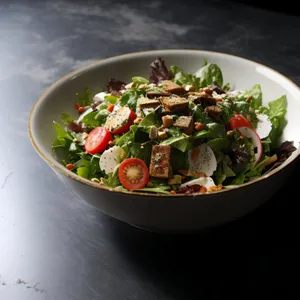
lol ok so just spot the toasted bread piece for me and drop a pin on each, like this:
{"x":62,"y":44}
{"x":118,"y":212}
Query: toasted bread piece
{"x":185,"y":123}
{"x":160,"y":161}
{"x":148,"y":103}
{"x":175,"y":104}
{"x":214,"y":112}
{"x":202,"y":98}
{"x":156,"y":94}
{"x":173,"y":88}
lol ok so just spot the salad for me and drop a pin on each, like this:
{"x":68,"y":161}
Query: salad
{"x":174,"y":133}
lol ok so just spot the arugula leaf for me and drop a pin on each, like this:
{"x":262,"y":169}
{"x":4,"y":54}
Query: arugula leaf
{"x":179,"y":160}
{"x":199,"y":115}
{"x":256,"y":96}
{"x":276,"y":112}
{"x":182,"y":78}
{"x":101,"y":116}
{"x":216,"y":130}
{"x":174,"y":131}
{"x":65,"y":118}
{"x":112,"y":179}
{"x":83,"y":172}
{"x":181,"y":143}
{"x":140,"y":80}
{"x":209,"y":74}
{"x":160,"y":190}
{"x":218,"y":144}
{"x":151,"y":119}
{"x":142,"y":151}
{"x":90,"y":119}
{"x":226,"y":87}
{"x":63,"y":138}
{"x":130,"y":98}
{"x":239,"y":179}
{"x":111,"y":99}
{"x":86,"y":98}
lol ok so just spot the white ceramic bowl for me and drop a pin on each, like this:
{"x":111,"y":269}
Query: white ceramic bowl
{"x":164,"y":212}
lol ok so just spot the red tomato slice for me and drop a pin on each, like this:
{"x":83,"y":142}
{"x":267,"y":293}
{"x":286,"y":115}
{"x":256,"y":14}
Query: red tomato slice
{"x":126,"y":126}
{"x":97,"y":140}
{"x":238,"y":121}
{"x":133,"y":173}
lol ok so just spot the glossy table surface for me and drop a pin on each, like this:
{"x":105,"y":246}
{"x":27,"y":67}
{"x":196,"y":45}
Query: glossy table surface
{"x":55,"y":246}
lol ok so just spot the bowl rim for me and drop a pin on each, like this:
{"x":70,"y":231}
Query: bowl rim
{"x":54,"y":164}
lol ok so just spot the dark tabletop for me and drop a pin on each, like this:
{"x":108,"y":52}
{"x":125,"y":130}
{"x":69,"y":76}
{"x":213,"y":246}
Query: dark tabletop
{"x":55,"y":246}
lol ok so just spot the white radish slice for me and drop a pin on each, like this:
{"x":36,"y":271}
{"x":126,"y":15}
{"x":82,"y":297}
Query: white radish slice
{"x":251,"y":133}
{"x":109,"y":159}
{"x":202,"y":181}
{"x":89,"y":110}
{"x":264,"y":126}
{"x":202,"y":159}
{"x":100,"y":97}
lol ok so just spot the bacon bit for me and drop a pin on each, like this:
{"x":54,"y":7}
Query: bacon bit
{"x":110,"y":107}
{"x":111,"y":143}
{"x":77,"y":105}
{"x":81,"y":109}
{"x":218,"y":99}
{"x":149,"y":184}
{"x":70,"y":166}
{"x":172,"y":192}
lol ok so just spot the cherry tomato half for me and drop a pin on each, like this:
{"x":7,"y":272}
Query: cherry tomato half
{"x":238,"y":121}
{"x":133,"y":173}
{"x":97,"y":140}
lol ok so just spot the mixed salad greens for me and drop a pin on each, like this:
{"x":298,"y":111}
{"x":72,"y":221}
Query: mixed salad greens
{"x":174,"y":133}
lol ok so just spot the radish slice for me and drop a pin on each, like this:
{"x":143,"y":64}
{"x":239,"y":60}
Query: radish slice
{"x":89,"y":110}
{"x":202,"y":181}
{"x":202,"y":159}
{"x":109,"y":159}
{"x":264,"y":126}
{"x":251,"y":133}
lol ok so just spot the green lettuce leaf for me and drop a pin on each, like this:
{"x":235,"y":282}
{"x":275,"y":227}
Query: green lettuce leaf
{"x":86,"y":98}
{"x":130,"y":98}
{"x":182,"y":78}
{"x":209,"y":74}
{"x":276,"y":111}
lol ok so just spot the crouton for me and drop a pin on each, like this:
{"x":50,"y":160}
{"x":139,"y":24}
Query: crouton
{"x":156,"y":94}
{"x":173,"y":88}
{"x":214,"y":112}
{"x":148,"y":103}
{"x":175,"y":104}
{"x":167,"y":121}
{"x":160,"y":161}
{"x":186,"y":124}
{"x":202,"y":98}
